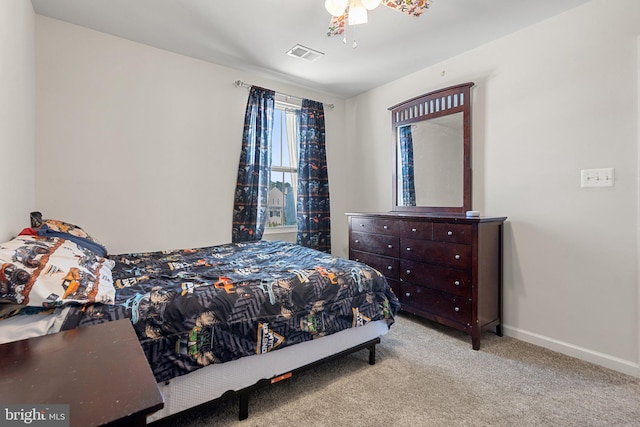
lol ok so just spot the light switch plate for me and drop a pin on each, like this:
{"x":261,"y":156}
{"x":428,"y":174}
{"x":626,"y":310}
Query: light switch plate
{"x":602,"y":177}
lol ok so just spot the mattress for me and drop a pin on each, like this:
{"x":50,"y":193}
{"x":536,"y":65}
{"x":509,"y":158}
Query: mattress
{"x":196,"y":307}
{"x":31,"y":323}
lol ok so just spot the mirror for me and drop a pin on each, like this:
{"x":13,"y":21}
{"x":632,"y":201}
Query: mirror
{"x":440,"y":156}
{"x":432,"y":150}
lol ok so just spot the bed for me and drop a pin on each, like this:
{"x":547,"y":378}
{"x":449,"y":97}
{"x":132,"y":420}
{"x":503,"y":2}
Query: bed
{"x":213,"y":322}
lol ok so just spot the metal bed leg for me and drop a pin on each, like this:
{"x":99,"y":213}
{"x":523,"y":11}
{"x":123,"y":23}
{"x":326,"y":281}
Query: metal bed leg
{"x":243,"y":395}
{"x":372,"y":355}
{"x":243,"y":412}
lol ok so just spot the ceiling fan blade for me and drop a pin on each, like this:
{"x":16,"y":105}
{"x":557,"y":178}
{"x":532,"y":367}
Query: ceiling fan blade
{"x":337,"y":23}
{"x":408,"y":7}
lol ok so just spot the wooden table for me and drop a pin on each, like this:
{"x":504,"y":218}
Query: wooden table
{"x":100,"y":371}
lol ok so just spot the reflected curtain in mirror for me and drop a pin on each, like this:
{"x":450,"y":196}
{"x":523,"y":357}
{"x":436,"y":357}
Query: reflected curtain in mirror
{"x":252,"y":187}
{"x":407,"y":183}
{"x":314,"y":219}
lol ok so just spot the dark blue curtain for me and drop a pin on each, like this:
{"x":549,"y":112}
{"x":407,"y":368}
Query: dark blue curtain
{"x":252,"y":188}
{"x":314,"y":219}
{"x":408,"y":196}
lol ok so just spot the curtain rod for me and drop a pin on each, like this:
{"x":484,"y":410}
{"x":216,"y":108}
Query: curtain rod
{"x":240,"y":83}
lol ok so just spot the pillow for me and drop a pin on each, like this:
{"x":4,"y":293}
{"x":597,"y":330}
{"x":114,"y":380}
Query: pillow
{"x":57,"y":228}
{"x":49,"y":271}
{"x":80,"y":241}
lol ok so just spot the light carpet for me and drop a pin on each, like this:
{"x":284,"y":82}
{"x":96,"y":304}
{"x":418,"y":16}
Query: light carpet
{"x":428,"y":375}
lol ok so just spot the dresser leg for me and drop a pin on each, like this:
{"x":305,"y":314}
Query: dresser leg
{"x":499,"y":330}
{"x":475,"y":340}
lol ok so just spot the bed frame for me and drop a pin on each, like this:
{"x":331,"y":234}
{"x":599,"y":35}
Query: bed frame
{"x":243,"y":394}
{"x":215,"y":383}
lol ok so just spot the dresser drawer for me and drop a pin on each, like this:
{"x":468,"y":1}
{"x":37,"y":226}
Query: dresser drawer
{"x":416,"y":229}
{"x":448,"y":254}
{"x":439,"y":304}
{"x":451,"y":280}
{"x":374,"y":225}
{"x":374,"y":243}
{"x":385,"y":265}
{"x":453,"y":233}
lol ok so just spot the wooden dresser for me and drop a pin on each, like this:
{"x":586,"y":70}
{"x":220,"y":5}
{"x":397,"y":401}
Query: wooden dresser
{"x":443,"y":267}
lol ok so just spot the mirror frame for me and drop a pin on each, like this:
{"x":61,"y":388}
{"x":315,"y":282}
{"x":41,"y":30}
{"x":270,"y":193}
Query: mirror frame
{"x":442,"y":102}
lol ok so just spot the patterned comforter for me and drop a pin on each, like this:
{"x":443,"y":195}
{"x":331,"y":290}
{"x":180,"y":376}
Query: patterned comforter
{"x":191,"y":308}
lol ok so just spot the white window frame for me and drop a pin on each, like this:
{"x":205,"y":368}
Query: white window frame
{"x":293,"y":159}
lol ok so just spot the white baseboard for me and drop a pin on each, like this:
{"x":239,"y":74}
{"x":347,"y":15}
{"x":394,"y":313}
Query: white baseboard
{"x":605,"y":360}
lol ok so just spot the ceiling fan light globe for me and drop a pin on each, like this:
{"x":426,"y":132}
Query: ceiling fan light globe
{"x":357,"y":15}
{"x":371,"y":4}
{"x":335,"y":7}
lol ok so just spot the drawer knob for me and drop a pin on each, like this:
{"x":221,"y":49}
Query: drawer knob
{"x":457,"y":256}
{"x":408,"y":271}
{"x":357,"y":241}
{"x":361,"y":225}
{"x":389,"y":246}
{"x":389,"y":267}
{"x":457,"y":283}
{"x":456,"y":308}
{"x":449,"y":233}
{"x":408,"y":249}
{"x":407,"y":294}
{"x":414,"y":230}
{"x":357,"y":259}
{"x":385,"y":227}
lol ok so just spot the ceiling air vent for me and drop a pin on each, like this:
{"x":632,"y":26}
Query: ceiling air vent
{"x":305,"y":53}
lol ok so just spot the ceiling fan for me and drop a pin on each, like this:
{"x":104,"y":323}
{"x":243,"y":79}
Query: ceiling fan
{"x":354,"y":12}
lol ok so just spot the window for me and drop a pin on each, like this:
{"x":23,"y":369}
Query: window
{"x":284,"y":168}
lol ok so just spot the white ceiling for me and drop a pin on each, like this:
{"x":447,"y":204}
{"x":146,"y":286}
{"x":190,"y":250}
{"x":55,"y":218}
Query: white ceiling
{"x":254,"y":35}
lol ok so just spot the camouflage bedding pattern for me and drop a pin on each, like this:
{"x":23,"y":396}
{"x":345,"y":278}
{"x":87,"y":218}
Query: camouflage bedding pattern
{"x":191,"y":308}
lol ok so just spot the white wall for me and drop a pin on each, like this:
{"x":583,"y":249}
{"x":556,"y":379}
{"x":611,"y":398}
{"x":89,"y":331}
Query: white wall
{"x":549,"y":100}
{"x":141,"y":146}
{"x":17,"y":115}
